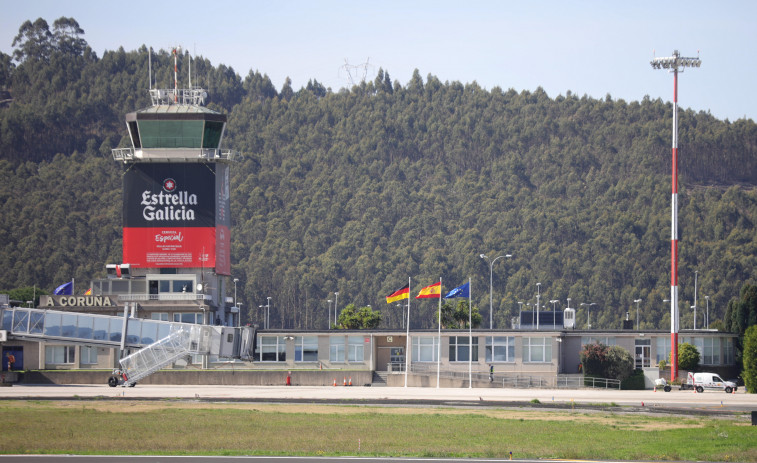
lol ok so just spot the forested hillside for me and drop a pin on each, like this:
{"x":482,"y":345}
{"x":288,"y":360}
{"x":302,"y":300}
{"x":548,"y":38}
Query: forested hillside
{"x":355,"y":190}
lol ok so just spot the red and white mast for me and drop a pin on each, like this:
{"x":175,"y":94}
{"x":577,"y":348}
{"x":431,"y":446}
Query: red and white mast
{"x":674,"y":64}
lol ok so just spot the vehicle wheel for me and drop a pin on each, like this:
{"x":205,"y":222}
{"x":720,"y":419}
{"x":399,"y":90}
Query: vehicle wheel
{"x":700,"y":389}
{"x":728,"y":389}
{"x":667,"y":388}
{"x":112,"y":381}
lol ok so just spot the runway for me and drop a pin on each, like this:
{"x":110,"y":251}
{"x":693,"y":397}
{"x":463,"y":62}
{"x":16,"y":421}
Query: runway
{"x":562,"y":398}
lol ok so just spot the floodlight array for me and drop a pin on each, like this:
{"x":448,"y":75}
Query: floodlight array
{"x":675,"y":62}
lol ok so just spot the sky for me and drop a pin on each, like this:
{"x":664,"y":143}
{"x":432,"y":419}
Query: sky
{"x":592,"y":48}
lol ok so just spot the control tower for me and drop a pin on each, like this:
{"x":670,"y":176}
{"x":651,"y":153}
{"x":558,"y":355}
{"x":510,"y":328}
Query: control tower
{"x":176,"y":223}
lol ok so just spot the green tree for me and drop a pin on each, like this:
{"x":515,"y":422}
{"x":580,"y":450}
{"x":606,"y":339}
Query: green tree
{"x":688,"y":357}
{"x":34,"y":41}
{"x":461,"y":315}
{"x":750,"y":359}
{"x":353,"y":318}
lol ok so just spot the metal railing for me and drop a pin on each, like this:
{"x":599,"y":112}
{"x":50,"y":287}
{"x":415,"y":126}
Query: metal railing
{"x":205,"y":154}
{"x":521,"y":381}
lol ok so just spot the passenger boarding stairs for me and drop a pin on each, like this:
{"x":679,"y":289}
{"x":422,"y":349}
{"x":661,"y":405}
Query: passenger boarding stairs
{"x":158,"y":355}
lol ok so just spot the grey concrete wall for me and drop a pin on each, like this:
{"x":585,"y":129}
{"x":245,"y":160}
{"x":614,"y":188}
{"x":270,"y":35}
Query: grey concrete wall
{"x":207,"y":377}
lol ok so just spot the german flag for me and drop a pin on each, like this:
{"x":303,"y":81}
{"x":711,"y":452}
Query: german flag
{"x":402,"y":293}
{"x":434,"y":290}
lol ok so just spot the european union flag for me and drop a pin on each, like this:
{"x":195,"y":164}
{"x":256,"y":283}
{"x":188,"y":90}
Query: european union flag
{"x":460,"y":291}
{"x":66,"y":289}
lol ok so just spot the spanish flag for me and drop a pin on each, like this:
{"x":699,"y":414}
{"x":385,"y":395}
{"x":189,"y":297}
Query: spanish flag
{"x":434,"y":290}
{"x":88,"y":292}
{"x":402,"y":293}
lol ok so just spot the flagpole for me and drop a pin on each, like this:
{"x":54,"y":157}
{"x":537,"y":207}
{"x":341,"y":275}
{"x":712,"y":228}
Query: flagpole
{"x":439,"y":347}
{"x":470,"y":338}
{"x":407,"y":334}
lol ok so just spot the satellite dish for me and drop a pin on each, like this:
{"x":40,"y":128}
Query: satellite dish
{"x":199,"y":287}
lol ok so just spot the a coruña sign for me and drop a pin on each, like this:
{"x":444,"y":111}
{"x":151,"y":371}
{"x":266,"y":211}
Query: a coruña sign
{"x":77,"y":301}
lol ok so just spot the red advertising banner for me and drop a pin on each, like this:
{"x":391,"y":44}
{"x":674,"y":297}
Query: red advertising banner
{"x":169,"y":247}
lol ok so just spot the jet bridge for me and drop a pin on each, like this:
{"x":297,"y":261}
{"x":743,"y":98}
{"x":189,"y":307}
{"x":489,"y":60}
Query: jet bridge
{"x":157,"y":343}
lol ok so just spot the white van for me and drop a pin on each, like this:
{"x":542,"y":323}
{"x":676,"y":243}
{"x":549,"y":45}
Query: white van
{"x":702,"y":381}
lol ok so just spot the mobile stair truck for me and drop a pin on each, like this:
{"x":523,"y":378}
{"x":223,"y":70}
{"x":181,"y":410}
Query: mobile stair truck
{"x":699,"y":382}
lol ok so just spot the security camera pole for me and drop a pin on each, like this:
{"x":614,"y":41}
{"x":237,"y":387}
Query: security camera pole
{"x":674,"y":64}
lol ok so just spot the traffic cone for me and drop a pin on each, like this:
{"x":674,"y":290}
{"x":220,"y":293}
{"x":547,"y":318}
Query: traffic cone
{"x":350,"y":383}
{"x":345,"y":381}
{"x":334,"y":381}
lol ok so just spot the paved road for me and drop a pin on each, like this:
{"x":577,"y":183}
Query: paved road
{"x":709,"y":400}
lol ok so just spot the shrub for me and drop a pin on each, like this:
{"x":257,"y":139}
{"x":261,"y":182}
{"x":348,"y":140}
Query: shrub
{"x":749,"y":359}
{"x":634,"y":382}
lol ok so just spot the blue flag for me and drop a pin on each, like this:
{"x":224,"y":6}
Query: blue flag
{"x":66,"y":289}
{"x":460,"y":291}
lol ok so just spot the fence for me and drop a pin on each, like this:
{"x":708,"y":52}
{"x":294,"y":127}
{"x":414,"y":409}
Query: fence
{"x":521,"y":381}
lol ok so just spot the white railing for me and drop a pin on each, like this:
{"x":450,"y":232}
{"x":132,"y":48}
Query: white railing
{"x":521,"y":381}
{"x":164,"y":297}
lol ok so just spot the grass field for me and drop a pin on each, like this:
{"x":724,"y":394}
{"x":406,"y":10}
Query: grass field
{"x":195,"y":428}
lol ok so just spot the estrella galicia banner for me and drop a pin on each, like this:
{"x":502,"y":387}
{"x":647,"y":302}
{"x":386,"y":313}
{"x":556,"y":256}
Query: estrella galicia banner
{"x":169,"y":213}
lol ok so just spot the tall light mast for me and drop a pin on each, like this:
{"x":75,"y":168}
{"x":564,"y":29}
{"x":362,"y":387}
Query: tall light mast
{"x":674,"y":64}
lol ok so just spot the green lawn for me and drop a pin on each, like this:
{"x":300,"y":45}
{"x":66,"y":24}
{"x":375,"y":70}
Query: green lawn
{"x":181,"y":427}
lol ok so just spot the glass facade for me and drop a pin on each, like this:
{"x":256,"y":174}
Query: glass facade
{"x":460,"y":348}
{"x":500,"y":349}
{"x":179,"y":134}
{"x":537,"y":350}
{"x":337,"y":349}
{"x":306,"y":349}
{"x":425,"y":348}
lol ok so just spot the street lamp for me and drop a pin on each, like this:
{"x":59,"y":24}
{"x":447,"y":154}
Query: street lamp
{"x":707,"y":315}
{"x":336,"y":301}
{"x":538,"y":294}
{"x":329,"y":317}
{"x":553,"y":301}
{"x":674,"y":64}
{"x":235,"y":300}
{"x":696,"y":272}
{"x":491,"y":276}
{"x":588,"y":313}
{"x":268,"y":313}
{"x":637,"y":313}
{"x":520,"y":312}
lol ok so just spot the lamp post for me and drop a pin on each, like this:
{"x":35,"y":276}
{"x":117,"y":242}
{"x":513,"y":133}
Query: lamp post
{"x":696,"y":272}
{"x":328,"y":319}
{"x":491,"y":276}
{"x":637,"y":313}
{"x":554,"y":301}
{"x":336,"y":301}
{"x":520,"y":312}
{"x":538,"y":294}
{"x":588,"y":313}
{"x":707,"y":314}
{"x":239,"y":314}
{"x":268,"y":313}
{"x":674,"y":64}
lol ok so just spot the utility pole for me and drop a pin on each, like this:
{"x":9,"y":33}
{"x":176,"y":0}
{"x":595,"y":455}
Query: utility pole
{"x":674,"y":64}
